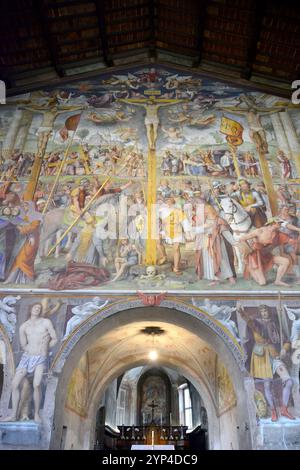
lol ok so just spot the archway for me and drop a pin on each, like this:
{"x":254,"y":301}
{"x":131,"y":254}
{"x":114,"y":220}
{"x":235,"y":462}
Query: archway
{"x":154,"y":398}
{"x":117,"y":334}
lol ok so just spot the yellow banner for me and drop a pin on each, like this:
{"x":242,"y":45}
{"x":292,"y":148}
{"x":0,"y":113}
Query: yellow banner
{"x":233,"y":131}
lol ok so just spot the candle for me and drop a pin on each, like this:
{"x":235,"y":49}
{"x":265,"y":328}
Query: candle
{"x":143,"y":418}
{"x":170,"y":419}
{"x":152,"y":438}
{"x":161,"y":419}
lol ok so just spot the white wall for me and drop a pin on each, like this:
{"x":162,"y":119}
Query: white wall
{"x":228,"y":430}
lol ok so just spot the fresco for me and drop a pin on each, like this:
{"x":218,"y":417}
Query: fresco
{"x":225,"y":390}
{"x":269,"y":333}
{"x":35,"y":329}
{"x":155,"y":168}
{"x":154,"y":393}
{"x":77,"y":394}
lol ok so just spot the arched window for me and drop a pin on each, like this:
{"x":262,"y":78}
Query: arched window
{"x":185,"y":406}
{"x":123,"y":405}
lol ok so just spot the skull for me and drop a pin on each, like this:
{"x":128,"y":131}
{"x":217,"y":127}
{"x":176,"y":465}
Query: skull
{"x":151,"y":272}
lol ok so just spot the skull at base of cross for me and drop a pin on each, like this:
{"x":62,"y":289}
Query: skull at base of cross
{"x":151,"y":274}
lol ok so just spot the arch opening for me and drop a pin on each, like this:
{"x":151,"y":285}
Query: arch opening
{"x":116,"y":344}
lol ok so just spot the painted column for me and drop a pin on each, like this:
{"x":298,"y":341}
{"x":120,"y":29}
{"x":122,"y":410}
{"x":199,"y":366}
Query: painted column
{"x":292,"y":138}
{"x":23,"y":131}
{"x":280,"y":134}
{"x":9,"y":141}
{"x":151,"y":201}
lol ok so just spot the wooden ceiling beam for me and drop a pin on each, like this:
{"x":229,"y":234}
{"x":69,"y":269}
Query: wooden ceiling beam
{"x":127,"y":8}
{"x":100,"y":11}
{"x":202,"y":12}
{"x":260,"y":9}
{"x":42,"y":18}
{"x":152,"y":41}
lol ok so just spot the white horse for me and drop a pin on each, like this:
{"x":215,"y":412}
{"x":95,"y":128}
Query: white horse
{"x":240,"y":223}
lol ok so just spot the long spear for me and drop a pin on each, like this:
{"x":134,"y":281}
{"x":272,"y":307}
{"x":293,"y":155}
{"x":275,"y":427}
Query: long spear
{"x":59,"y":173}
{"x":82,"y":213}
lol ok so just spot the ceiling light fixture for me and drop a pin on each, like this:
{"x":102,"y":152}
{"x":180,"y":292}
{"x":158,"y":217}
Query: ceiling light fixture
{"x":153,"y":355}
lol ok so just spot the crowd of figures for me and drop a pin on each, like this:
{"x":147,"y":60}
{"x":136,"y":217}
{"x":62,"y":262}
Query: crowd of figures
{"x":96,"y":160}
{"x":148,"y":130}
{"x":19,"y":165}
{"x":226,"y":224}
{"x":220,"y":163}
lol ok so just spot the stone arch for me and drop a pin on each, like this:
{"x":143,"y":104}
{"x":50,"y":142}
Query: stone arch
{"x":173,"y":312}
{"x":198,"y":384}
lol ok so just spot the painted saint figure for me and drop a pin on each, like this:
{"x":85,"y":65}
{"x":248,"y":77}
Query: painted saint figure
{"x":214,"y":258}
{"x":37,"y":336}
{"x":267,"y":358}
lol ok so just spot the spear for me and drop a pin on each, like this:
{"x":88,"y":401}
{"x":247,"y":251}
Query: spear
{"x":84,"y":210}
{"x":58,"y":173}
{"x":57,"y":177}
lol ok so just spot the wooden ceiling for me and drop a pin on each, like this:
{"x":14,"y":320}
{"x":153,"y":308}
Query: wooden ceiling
{"x":49,"y":39}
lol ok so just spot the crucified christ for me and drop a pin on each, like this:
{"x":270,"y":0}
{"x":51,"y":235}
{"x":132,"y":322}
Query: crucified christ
{"x":151,"y":106}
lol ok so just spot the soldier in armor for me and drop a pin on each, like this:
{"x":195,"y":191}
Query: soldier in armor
{"x":251,"y":201}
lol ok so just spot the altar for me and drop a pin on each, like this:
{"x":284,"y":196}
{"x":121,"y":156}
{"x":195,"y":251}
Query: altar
{"x":153,"y":437}
{"x":158,"y":447}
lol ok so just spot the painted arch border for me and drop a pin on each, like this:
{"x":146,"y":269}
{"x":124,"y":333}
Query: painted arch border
{"x":128,"y":304}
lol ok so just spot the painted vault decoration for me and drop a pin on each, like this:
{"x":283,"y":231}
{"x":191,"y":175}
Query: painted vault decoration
{"x":149,"y":177}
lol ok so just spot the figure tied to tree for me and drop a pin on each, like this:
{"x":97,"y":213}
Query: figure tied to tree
{"x":37,"y":336}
